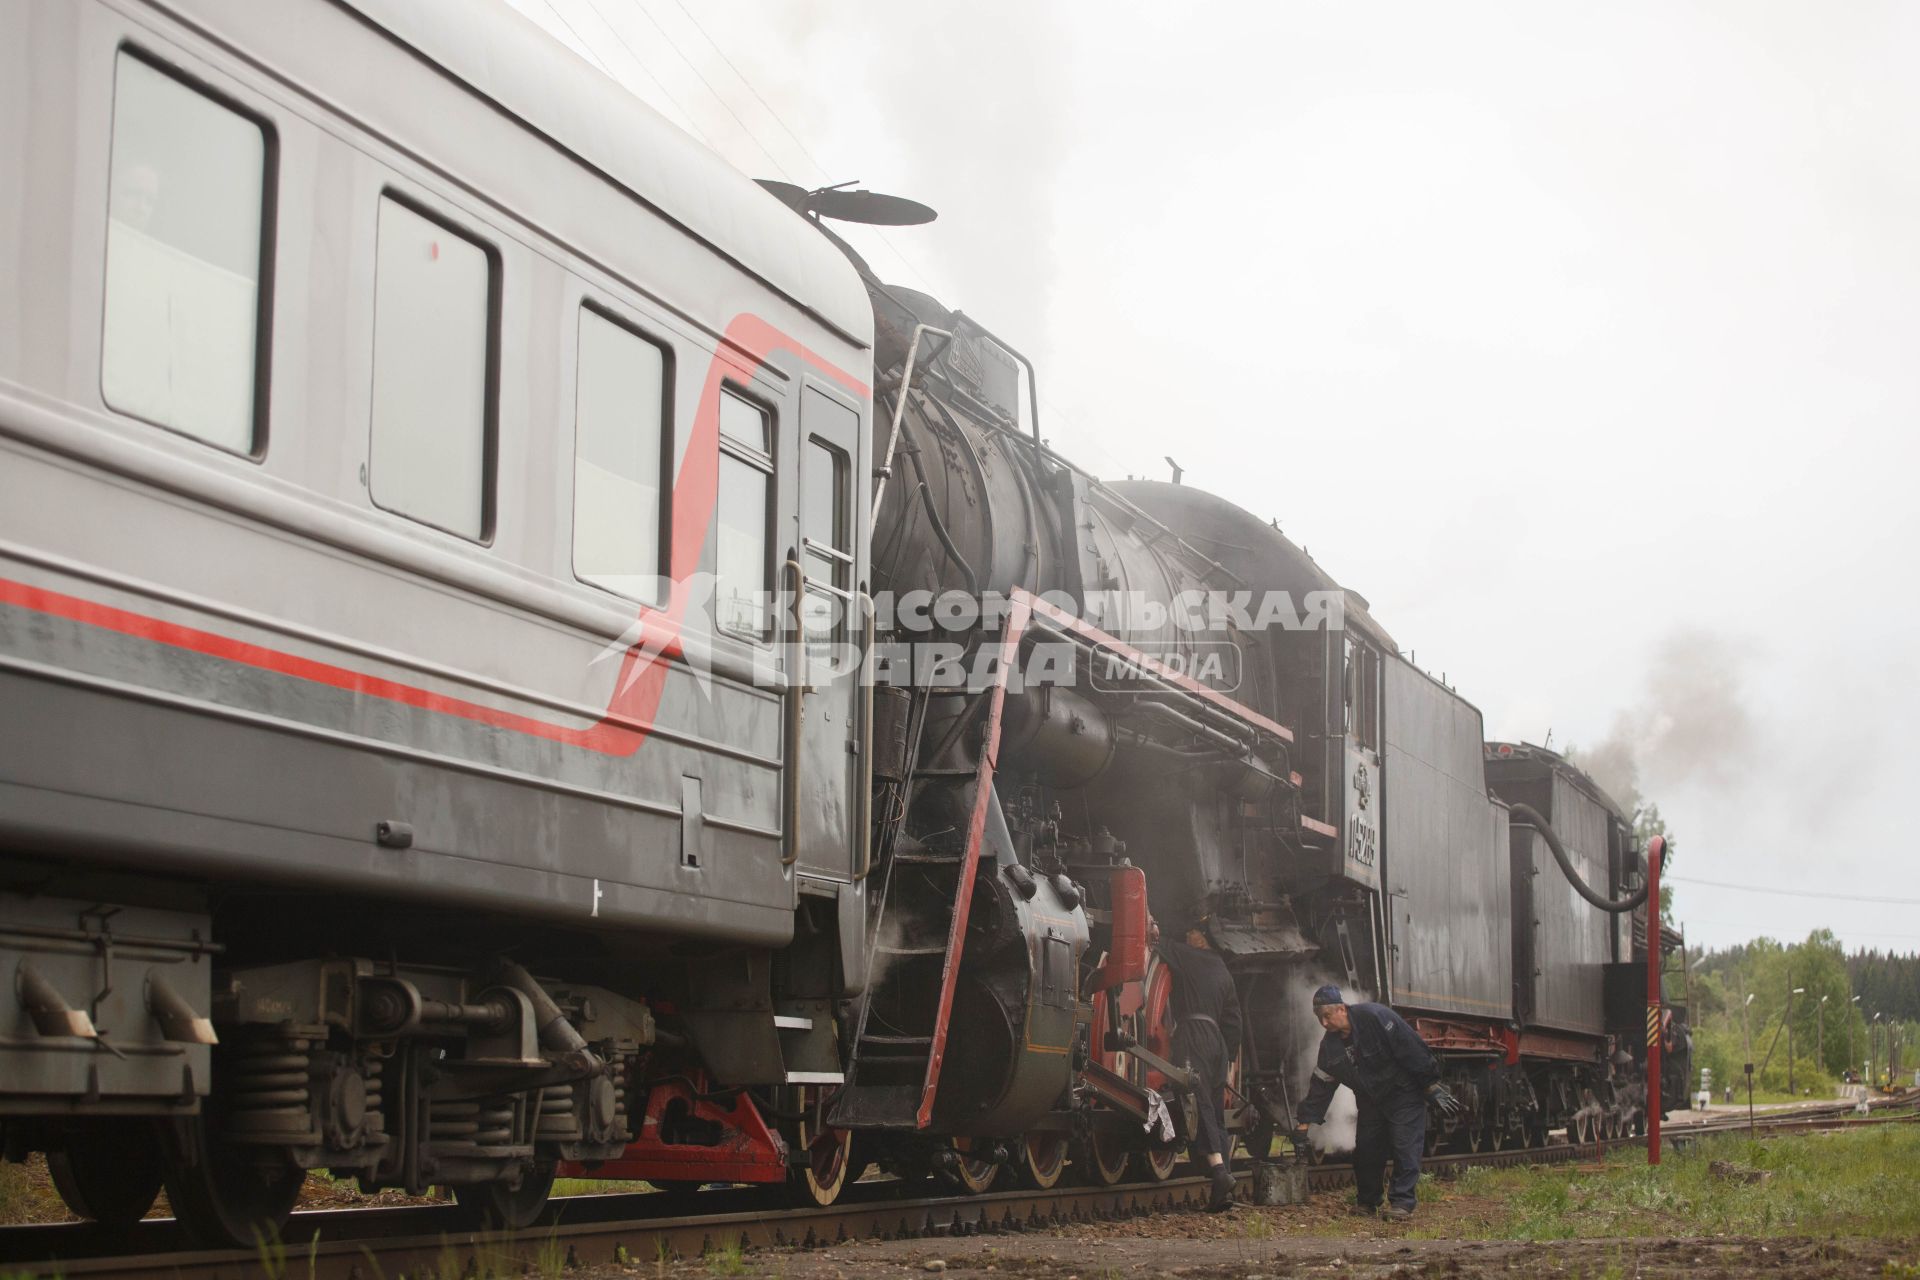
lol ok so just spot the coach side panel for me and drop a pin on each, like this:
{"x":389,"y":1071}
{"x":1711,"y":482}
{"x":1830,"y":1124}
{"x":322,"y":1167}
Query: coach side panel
{"x":226,"y":649}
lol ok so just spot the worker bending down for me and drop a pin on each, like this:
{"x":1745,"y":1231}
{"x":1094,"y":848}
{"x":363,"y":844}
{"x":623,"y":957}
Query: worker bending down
{"x":1206,"y":1035}
{"x":1371,"y":1049}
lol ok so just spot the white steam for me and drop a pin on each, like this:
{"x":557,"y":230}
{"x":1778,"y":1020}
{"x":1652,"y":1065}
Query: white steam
{"x":1338,"y":1135}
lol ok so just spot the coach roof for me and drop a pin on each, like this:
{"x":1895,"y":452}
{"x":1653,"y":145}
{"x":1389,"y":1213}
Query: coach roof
{"x":510,"y":61}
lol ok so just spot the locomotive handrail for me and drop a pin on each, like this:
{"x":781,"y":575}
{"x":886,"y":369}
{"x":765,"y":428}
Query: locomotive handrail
{"x":1040,"y":449}
{"x":1148,"y":670}
{"x":866,"y":737}
{"x":796,"y":583}
{"x":885,"y":470}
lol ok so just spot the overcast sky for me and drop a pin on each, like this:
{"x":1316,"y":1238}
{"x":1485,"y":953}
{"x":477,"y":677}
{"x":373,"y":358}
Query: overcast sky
{"x":1583,"y":340}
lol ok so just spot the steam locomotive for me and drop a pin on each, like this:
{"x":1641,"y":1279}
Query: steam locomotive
{"x":436,"y":501}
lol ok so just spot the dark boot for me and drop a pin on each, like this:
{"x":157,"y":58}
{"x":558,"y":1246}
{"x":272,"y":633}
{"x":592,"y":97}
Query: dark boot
{"x":1222,"y":1197}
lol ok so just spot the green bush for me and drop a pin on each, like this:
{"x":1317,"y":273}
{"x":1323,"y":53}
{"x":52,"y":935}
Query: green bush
{"x":1807,"y":1075}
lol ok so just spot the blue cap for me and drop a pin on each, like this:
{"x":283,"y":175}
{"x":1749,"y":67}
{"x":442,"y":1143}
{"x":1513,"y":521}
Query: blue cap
{"x":1329,"y":994}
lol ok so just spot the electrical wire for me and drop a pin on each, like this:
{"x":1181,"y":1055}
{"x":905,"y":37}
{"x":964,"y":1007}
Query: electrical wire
{"x":585,"y":46}
{"x":648,"y":72}
{"x":717,"y":97}
{"x":1793,"y":893}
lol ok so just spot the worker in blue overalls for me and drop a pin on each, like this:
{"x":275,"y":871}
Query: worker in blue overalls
{"x":1371,"y":1049}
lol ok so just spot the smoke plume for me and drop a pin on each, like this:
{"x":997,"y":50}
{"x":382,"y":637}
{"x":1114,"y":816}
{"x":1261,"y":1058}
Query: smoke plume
{"x":1691,"y":726}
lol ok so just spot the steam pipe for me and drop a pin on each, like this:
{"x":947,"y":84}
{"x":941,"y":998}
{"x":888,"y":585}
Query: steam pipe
{"x":939,"y":525}
{"x":1191,"y":706}
{"x":1161,"y":711}
{"x":1613,"y":906}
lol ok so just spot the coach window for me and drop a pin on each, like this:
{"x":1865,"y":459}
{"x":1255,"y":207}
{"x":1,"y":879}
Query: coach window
{"x":433,"y":307}
{"x":618,"y":529}
{"x":824,"y":524}
{"x":744,"y":561}
{"x":186,"y":248}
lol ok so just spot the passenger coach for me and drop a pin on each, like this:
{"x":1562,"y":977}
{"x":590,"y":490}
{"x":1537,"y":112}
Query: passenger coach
{"x":373,"y":387}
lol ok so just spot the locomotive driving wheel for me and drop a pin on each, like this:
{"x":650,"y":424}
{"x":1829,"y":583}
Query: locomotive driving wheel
{"x":1100,"y":1157}
{"x":1156,"y":1031}
{"x":1102,"y":1160}
{"x":1498,"y":1131}
{"x":975,"y":1174}
{"x":110,"y":1176}
{"x":1158,"y":1165}
{"x":1042,"y":1159}
{"x":831,"y":1166}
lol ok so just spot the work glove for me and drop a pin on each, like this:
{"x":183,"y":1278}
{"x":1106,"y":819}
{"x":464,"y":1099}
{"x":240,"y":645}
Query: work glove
{"x":1444,"y":1102}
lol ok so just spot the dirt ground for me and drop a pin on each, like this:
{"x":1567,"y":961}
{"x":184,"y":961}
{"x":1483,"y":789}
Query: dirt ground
{"x":1319,"y":1239}
{"x":1069,"y":1258}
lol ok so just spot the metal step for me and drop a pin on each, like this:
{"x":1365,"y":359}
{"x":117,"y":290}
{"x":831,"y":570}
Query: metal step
{"x":875,"y":1106}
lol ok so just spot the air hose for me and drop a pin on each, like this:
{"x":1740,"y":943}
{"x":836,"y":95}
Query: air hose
{"x":1529,"y":815}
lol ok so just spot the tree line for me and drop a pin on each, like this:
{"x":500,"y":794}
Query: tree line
{"x":1888,"y":982}
{"x":1758,"y":1001}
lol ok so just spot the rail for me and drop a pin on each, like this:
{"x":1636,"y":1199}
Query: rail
{"x":363,"y":1244}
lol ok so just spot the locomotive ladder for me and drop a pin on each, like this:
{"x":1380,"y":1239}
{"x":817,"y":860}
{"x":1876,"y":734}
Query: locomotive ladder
{"x":897,"y":1056}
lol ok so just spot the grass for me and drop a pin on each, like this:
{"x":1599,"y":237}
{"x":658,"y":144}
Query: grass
{"x":27,"y":1194}
{"x":595,"y":1187}
{"x":1768,"y":1097}
{"x":729,"y":1259}
{"x":1863,"y":1182}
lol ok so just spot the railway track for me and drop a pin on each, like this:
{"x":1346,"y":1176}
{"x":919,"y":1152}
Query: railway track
{"x":427,"y":1241}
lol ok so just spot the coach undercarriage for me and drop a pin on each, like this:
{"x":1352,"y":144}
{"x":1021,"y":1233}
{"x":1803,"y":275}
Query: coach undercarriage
{"x":400,"y":1076}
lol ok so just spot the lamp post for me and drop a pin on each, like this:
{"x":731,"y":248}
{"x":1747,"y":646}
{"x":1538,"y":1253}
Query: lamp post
{"x":1820,"y":1022}
{"x":1746,"y":1034}
{"x":1873,"y":1047}
{"x":1853,"y":1034}
{"x":1792,"y":991}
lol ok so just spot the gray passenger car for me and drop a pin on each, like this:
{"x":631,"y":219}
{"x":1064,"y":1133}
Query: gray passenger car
{"x":376,"y":393}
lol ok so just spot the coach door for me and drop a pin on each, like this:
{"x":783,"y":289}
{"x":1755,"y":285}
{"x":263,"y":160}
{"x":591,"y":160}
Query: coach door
{"x":831,"y":624}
